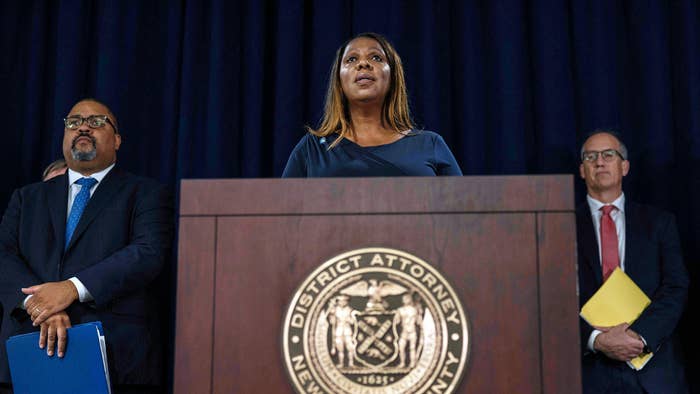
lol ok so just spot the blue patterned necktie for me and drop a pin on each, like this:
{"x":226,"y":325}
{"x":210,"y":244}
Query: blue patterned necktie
{"x":81,"y":200}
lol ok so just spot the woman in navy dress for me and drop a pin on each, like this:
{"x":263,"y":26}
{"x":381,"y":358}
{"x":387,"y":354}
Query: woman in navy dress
{"x":366,"y":128}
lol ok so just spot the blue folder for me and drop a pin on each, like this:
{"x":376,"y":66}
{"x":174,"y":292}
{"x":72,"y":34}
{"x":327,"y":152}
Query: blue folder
{"x":83,"y":368}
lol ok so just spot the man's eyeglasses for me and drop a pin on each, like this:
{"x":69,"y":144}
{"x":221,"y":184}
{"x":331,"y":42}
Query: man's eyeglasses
{"x":94,"y":121}
{"x":591,"y":156}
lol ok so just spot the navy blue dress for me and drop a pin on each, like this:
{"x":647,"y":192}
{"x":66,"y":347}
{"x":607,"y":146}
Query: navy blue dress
{"x":420,"y":153}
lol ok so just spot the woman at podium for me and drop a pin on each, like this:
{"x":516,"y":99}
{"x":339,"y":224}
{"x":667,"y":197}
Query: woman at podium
{"x":367,"y":128}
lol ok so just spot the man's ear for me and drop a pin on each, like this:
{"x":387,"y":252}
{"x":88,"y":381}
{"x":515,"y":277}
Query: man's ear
{"x":625,"y":167}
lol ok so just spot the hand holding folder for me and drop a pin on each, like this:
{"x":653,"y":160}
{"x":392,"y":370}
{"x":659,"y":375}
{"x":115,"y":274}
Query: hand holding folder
{"x":83,"y":369}
{"x":619,"y":300}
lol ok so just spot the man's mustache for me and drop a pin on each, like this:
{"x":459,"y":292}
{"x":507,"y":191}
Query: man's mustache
{"x":75,"y":140}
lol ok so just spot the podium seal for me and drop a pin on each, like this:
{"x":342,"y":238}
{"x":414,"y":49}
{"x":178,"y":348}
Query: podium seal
{"x":375,"y":320}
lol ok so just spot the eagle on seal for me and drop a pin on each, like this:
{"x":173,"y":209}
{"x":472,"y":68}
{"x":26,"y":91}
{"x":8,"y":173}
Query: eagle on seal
{"x":375,"y":291}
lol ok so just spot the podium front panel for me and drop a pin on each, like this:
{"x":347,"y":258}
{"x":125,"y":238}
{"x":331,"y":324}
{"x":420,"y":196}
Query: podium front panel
{"x":514,"y":272}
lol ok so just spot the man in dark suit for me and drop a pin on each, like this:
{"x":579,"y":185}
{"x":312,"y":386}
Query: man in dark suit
{"x":643,"y":241}
{"x":86,"y":246}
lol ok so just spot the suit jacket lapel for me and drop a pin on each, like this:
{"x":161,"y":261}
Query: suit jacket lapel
{"x":631,"y":239}
{"x":111,"y":183}
{"x":57,"y":197}
{"x":589,"y":242}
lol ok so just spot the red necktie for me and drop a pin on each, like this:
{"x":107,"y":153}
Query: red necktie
{"x":608,"y":242}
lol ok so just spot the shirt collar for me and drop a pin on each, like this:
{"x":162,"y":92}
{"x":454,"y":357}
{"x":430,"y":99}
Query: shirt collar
{"x":595,"y":205}
{"x":74,"y":175}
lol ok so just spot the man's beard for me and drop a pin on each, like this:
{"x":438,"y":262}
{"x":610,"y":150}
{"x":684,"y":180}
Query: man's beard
{"x":79,"y":155}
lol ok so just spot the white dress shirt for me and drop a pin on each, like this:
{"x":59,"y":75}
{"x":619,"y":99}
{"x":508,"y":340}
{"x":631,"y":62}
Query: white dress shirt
{"x":618,"y":217}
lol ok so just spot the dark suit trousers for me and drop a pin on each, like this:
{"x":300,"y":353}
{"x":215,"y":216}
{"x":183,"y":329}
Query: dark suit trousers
{"x":622,"y":380}
{"x":136,"y":389}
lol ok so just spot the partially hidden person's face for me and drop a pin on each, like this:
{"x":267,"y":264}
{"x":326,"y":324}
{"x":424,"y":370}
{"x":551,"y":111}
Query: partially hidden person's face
{"x":365,"y":75}
{"x":601,"y":175}
{"x":55,"y":173}
{"x":90,"y":149}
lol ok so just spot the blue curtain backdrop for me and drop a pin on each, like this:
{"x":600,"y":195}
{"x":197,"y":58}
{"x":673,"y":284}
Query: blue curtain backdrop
{"x":223,"y":88}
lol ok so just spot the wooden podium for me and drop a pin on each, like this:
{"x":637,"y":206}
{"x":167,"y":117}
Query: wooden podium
{"x":506,"y":244}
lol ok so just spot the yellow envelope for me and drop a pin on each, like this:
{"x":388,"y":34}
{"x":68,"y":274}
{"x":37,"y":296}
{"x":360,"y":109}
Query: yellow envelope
{"x":619,"y":300}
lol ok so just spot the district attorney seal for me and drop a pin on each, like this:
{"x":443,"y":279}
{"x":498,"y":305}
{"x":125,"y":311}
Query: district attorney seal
{"x":372,"y":321}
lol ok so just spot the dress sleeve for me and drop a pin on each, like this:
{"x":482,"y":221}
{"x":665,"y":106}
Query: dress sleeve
{"x":445,"y":162}
{"x":296,"y":164}
{"x":668,"y":302}
{"x":132,"y":268}
{"x":15,"y":273}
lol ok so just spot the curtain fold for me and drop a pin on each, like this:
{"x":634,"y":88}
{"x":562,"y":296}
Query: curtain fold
{"x":218,"y":88}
